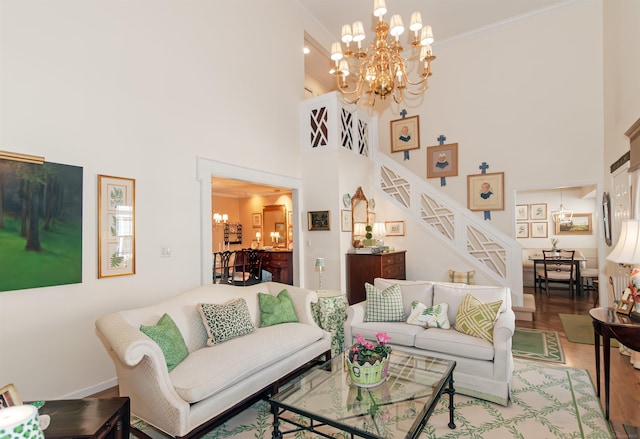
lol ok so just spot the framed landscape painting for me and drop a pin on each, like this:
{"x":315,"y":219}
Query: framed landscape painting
{"x":580,"y":225}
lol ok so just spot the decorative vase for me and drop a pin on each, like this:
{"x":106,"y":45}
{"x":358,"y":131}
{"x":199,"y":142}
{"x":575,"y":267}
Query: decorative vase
{"x":367,"y":374}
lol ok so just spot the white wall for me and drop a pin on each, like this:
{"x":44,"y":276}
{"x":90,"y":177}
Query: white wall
{"x":135,"y":89}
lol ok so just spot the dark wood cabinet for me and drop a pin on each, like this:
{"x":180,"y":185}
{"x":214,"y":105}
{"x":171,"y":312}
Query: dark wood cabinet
{"x":279,"y":264}
{"x":363,"y":268}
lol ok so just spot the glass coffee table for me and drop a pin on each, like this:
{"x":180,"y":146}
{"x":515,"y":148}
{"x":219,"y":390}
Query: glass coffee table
{"x":325,"y":400}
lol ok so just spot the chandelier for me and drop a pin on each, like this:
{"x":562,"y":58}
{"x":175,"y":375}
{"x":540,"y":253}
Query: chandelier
{"x":562,"y":215}
{"x":381,"y":69}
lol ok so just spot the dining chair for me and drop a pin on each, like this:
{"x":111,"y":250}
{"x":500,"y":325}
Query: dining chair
{"x":247,"y":269}
{"x":558,"y":267}
{"x":222,"y":262}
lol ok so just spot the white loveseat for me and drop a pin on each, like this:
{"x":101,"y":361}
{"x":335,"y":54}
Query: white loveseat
{"x":212,"y":381}
{"x":483,"y":369}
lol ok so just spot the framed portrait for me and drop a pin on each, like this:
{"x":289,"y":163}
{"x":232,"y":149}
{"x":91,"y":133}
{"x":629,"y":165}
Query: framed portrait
{"x":538,"y":212}
{"x":405,"y":134}
{"x":318,"y":220}
{"x":256,"y":219}
{"x":442,"y":160}
{"x":540,"y":230}
{"x":485,"y":191}
{"x":9,"y":396}
{"x":345,"y":220}
{"x":522,"y":230}
{"x":581,"y":225}
{"x":625,"y":307}
{"x":116,"y":226}
{"x":522,"y":212}
{"x":394,"y":228}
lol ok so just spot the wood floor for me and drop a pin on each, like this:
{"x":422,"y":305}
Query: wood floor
{"x":625,"y":379}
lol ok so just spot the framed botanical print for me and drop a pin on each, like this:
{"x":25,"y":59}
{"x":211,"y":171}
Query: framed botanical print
{"x":394,"y":228}
{"x":522,"y":230}
{"x":538,"y":212}
{"x":539,"y":230}
{"x":522,"y":212}
{"x":345,"y":220}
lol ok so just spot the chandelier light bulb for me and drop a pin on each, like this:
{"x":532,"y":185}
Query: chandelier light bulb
{"x":416,"y":22}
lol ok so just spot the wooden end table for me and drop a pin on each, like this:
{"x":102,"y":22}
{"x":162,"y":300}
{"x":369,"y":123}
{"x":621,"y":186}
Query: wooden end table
{"x":88,"y":418}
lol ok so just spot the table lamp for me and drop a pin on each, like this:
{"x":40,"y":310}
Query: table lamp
{"x":627,"y":250}
{"x":22,"y":419}
{"x":320,"y":269}
{"x":379,"y":232}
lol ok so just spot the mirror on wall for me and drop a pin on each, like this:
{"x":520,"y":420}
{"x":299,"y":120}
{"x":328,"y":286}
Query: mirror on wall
{"x":274,"y":224}
{"x":359,"y":217}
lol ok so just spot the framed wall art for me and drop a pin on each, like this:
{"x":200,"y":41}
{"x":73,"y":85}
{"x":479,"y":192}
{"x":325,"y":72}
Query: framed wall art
{"x":522,"y":230}
{"x":345,"y":220}
{"x":319,"y":220}
{"x":540,"y":230}
{"x":9,"y":396}
{"x":394,"y":228}
{"x":256,"y":219}
{"x":625,"y":307}
{"x":116,"y":226}
{"x":522,"y":212}
{"x":442,"y":160}
{"x":580,"y":225}
{"x":405,"y":134}
{"x":485,"y":191}
{"x":538,"y":212}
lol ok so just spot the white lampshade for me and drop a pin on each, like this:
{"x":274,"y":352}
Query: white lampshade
{"x":358,"y":31}
{"x":396,"y":28}
{"x":379,"y":8}
{"x":416,"y":22}
{"x":627,"y":250}
{"x":347,"y":36}
{"x":426,"y":36}
{"x":320,"y":264}
{"x":336,"y":52}
{"x":359,"y":229}
{"x":23,"y":418}
{"x":379,"y":230}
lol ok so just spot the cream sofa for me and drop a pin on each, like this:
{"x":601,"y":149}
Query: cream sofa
{"x":483,"y":369}
{"x":212,"y":382}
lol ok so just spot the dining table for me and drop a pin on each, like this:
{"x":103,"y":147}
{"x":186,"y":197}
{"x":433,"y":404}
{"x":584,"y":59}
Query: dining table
{"x":539,"y":259}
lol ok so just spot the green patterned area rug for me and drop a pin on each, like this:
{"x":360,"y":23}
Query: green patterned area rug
{"x":537,"y":344}
{"x":547,"y":401}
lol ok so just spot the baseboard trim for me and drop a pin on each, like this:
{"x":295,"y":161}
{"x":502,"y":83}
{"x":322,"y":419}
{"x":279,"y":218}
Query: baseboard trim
{"x":91,"y":390}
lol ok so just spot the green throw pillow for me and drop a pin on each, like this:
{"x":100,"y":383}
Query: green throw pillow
{"x":384,"y":306}
{"x":226,"y":321}
{"x":476,"y":318}
{"x":275,"y":310}
{"x":167,"y":335}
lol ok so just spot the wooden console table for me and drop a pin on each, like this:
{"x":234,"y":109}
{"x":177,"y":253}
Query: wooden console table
{"x":609,"y":324}
{"x":88,"y":418}
{"x":280,"y":264}
{"x":363,"y":268}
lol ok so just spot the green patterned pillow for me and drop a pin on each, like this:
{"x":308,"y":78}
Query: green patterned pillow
{"x":429,"y":317}
{"x":226,"y":321}
{"x":167,"y":335}
{"x":276,"y":310}
{"x":384,"y":306}
{"x":476,"y":318}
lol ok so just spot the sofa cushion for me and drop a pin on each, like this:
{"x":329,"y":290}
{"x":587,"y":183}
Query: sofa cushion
{"x":400,"y":333}
{"x":453,"y":294}
{"x":451,"y":342}
{"x":420,"y":290}
{"x":276,"y":309}
{"x":464,"y":277}
{"x":429,"y":317}
{"x":212,"y":369}
{"x":168,"y":337}
{"x":384,"y":306}
{"x":226,"y":321}
{"x":476,"y":318}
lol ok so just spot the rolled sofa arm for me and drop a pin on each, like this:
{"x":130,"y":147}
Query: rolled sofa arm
{"x":355,"y":314}
{"x":502,"y":337}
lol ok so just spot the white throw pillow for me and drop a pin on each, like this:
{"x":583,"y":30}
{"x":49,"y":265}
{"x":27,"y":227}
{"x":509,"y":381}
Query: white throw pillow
{"x":430,"y":317}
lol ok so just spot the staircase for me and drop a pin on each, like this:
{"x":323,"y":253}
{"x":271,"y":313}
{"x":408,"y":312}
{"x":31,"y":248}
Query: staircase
{"x":329,"y":123}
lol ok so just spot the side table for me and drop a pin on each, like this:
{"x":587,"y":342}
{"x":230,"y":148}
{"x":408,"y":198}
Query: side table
{"x":88,"y":418}
{"x":330,"y":313}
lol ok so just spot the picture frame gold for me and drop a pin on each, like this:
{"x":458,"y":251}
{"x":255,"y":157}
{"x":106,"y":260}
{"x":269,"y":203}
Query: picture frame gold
{"x":625,"y":307}
{"x":9,"y":396}
{"x":582,"y":224}
{"x":345,"y":220}
{"x":256,"y":219}
{"x":405,"y":134}
{"x":394,"y":228}
{"x":540,"y":229}
{"x":116,"y":226}
{"x":442,"y":160}
{"x":538,"y":212}
{"x":318,"y":220}
{"x":522,"y":230}
{"x":485,"y":191}
{"x":522,"y":212}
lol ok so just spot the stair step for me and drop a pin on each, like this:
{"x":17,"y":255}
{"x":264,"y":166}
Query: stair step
{"x":528,"y":308}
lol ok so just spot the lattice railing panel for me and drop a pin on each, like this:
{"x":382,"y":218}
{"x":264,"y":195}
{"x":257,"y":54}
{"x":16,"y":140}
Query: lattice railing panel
{"x":346,"y":134}
{"x":319,"y":128}
{"x":395,"y":186}
{"x":363,"y":138}
{"x":487,"y":251}
{"x":438,"y":216}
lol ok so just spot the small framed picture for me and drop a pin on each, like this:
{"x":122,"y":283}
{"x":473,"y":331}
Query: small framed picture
{"x":538,"y":211}
{"x":522,"y":212}
{"x":485,"y":191}
{"x":371,"y":218}
{"x":345,"y":220}
{"x":394,"y":228}
{"x":318,"y":220}
{"x":539,"y":230}
{"x":522,"y":230}
{"x":405,"y":134}
{"x":9,"y":396}
{"x":256,"y":219}
{"x":442,"y":160}
{"x":625,"y":307}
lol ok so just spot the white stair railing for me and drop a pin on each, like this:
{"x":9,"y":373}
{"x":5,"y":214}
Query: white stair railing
{"x":329,"y":123}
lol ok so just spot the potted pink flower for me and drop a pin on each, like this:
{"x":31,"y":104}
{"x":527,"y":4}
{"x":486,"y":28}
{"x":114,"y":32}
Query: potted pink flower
{"x":368,"y":361}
